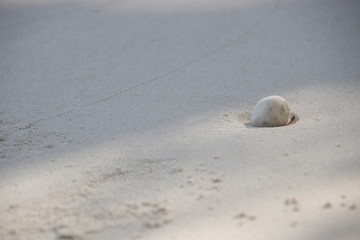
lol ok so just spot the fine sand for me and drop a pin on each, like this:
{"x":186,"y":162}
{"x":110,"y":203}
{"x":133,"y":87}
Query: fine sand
{"x":128,"y":120}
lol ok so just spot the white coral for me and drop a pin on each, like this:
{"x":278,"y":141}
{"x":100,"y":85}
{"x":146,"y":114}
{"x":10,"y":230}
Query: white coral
{"x":272,"y":111}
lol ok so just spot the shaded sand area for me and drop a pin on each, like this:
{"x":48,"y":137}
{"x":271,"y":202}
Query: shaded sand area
{"x":127,"y":120}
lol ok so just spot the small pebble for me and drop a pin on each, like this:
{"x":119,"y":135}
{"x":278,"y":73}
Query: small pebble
{"x":327,"y":206}
{"x":352,"y":207}
{"x":216,"y":180}
{"x":241,"y":215}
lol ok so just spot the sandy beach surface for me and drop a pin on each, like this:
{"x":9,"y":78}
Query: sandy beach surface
{"x":127,"y":120}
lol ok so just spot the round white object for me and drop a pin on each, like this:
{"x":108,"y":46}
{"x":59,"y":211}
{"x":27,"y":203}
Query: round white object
{"x":273,"y":111}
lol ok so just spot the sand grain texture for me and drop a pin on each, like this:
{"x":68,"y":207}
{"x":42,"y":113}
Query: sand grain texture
{"x":128,"y":120}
